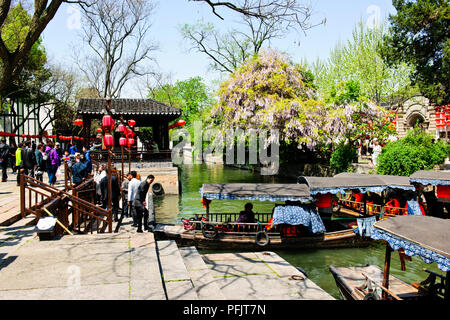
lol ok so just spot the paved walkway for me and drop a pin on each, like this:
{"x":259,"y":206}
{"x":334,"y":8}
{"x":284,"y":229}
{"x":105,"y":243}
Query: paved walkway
{"x":129,"y":265}
{"x":92,"y":267}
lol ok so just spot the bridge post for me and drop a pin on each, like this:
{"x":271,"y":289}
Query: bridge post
{"x":22,"y":194}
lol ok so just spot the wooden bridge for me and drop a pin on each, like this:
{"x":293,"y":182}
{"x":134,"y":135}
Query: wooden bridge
{"x":74,"y":206}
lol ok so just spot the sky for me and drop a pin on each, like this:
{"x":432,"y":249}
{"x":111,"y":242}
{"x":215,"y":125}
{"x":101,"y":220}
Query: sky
{"x":61,"y":37}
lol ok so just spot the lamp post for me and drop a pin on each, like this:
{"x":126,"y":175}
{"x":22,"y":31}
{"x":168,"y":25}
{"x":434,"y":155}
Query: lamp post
{"x":108,"y":140}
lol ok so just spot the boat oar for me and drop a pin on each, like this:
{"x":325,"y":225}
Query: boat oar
{"x":57,"y":221}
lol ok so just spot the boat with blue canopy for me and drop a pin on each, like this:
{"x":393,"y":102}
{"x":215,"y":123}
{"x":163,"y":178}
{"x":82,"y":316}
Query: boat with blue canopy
{"x":425,"y":237}
{"x":434,"y":186}
{"x":293,"y":223}
{"x":357,"y":201}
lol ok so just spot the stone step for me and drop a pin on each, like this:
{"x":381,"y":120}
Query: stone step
{"x":176,"y":277}
{"x":14,"y":236}
{"x":145,"y":276}
{"x":204,"y":285}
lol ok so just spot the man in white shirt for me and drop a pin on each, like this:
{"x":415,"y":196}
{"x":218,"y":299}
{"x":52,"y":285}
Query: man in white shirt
{"x":133,"y":186}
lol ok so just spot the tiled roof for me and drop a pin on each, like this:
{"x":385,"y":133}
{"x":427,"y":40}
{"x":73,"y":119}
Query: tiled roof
{"x":126,"y":106}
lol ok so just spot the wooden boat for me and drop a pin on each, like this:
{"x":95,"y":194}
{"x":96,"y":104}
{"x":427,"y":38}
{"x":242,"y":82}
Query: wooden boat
{"x":423,"y":236}
{"x":395,"y":196}
{"x":434,"y":186}
{"x":293,"y":223}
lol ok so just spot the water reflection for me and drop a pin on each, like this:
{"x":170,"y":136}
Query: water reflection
{"x":170,"y":209}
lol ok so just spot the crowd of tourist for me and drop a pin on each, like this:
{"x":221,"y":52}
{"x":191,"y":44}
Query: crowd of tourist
{"x":35,"y":160}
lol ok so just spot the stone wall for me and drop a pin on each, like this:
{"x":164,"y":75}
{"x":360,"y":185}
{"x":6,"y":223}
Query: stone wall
{"x":167,"y":177}
{"x":416,"y":108}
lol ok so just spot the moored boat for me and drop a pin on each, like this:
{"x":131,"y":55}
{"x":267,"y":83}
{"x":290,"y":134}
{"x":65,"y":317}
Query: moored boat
{"x":435,"y":188}
{"x":293,"y":223}
{"x":422,"y":236}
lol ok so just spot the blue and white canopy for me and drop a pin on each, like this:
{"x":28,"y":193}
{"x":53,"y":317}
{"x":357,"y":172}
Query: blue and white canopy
{"x":294,"y":215}
{"x":255,"y":191}
{"x":434,"y":178}
{"x":423,"y":236}
{"x":352,"y":181}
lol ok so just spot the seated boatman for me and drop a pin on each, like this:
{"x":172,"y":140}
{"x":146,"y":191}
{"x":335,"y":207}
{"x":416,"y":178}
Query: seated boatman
{"x":247,"y":216}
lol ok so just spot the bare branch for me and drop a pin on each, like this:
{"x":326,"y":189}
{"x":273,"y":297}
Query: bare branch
{"x":117,"y":33}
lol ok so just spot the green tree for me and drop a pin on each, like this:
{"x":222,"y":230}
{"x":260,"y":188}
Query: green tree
{"x":359,"y":61}
{"x":13,"y":33}
{"x":416,"y":151}
{"x":420,"y":35}
{"x":192,"y":96}
{"x":342,"y":157}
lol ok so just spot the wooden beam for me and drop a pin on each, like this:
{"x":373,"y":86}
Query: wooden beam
{"x":58,"y":222}
{"x":387,"y":266}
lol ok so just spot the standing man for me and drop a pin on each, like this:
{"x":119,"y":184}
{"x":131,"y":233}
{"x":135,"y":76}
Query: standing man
{"x":79,"y":169}
{"x":125,"y":207}
{"x":133,"y":186}
{"x":73,"y":149}
{"x":140,"y":204}
{"x":115,"y":194}
{"x":19,"y":161}
{"x":29,"y":159}
{"x":4,"y":158}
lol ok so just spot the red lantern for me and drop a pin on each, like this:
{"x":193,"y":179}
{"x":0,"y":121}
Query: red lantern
{"x":131,"y":122}
{"x":181,"y":123}
{"x":99,"y":130}
{"x":107,"y":121}
{"x":130,"y":142}
{"x":108,"y":140}
{"x":78,"y":122}
{"x":121,"y":128}
{"x":123,"y":141}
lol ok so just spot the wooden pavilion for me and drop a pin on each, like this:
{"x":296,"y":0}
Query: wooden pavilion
{"x":146,"y":113}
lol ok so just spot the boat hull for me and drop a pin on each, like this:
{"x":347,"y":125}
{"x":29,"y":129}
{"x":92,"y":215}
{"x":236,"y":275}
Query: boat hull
{"x":344,"y":239}
{"x":350,"y":279}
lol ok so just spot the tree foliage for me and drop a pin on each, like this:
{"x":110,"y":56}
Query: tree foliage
{"x":271,"y":92}
{"x":416,"y":151}
{"x":117,"y":33}
{"x":343,"y":156}
{"x":192,"y":96}
{"x":359,"y":60}
{"x":13,"y":33}
{"x":420,"y":35}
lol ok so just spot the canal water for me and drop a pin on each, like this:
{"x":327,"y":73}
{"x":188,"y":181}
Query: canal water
{"x":172,"y":209}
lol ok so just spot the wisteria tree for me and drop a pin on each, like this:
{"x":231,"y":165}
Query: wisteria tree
{"x":271,"y":92}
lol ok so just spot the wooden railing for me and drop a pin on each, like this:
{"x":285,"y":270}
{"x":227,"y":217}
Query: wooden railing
{"x":394,"y":211}
{"x":231,"y":217}
{"x":225,"y":222}
{"x":134,"y":156}
{"x":356,"y":206}
{"x":35,"y":195}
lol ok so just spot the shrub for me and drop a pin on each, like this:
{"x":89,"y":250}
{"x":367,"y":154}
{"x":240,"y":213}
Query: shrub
{"x":416,"y":151}
{"x":342,"y":157}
